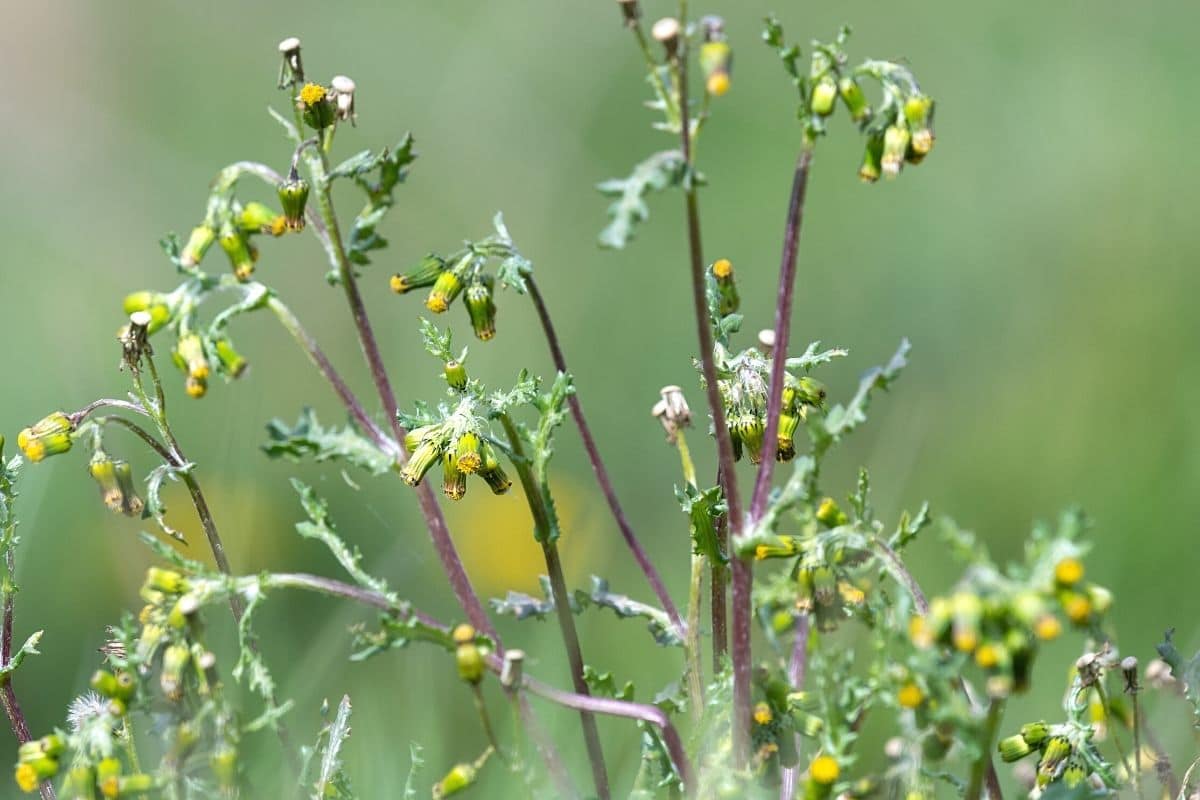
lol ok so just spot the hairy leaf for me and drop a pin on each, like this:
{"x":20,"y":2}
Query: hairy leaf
{"x":332,"y":781}
{"x":377,"y":175}
{"x":321,"y":528}
{"x":155,"y":507}
{"x":657,"y":621}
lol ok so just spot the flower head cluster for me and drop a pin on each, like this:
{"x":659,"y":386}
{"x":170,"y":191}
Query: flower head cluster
{"x":998,"y":620}
{"x":743,"y":383}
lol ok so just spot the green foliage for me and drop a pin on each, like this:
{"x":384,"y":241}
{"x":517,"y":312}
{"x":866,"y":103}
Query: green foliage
{"x":309,"y":439}
{"x":658,"y":172}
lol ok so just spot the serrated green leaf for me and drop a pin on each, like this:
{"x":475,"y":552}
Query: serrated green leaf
{"x":155,"y":507}
{"x":657,"y":621}
{"x":332,"y":781}
{"x":656,"y":173}
{"x":840,"y":420}
{"x":321,"y":528}
{"x":377,"y":176}
{"x":308,"y":439}
{"x":603,"y":684}
{"x":811,"y":358}
{"x":437,"y":344}
{"x":703,"y":508}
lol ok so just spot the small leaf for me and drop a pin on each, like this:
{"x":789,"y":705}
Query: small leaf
{"x":656,"y":173}
{"x":321,"y":528}
{"x":155,"y":508}
{"x":658,"y":623}
{"x":308,"y":439}
{"x":331,"y":780}
{"x":437,"y":344}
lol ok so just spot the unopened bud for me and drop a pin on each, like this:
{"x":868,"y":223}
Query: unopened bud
{"x":716,"y":62}
{"x":242,"y":254}
{"x":445,"y":288}
{"x":420,"y":276}
{"x":895,"y":145}
{"x":455,"y":373}
{"x":454,"y":480}
{"x":115,"y":478}
{"x":824,"y":95}
{"x":198,"y":242}
{"x":420,"y":461}
{"x":630,"y":12}
{"x":1014,"y":748}
{"x":48,"y":437}
{"x":466,"y":453}
{"x":481,"y":307}
{"x":728,"y":300}
{"x":872,"y":163}
{"x":293,"y":196}
{"x":856,"y":102}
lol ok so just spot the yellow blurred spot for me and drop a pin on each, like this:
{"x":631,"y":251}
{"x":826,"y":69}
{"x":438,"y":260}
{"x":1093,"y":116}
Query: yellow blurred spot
{"x":722,"y":268}
{"x":1078,"y":609}
{"x":27,"y":778}
{"x":987,"y":656}
{"x":762,"y":714}
{"x":910,"y":695}
{"x":761,"y":552}
{"x":918,"y":631}
{"x":718,"y":83}
{"x":851,"y":593}
{"x":824,"y":770}
{"x":965,"y":640}
{"x":1047,"y":628}
{"x":1069,"y":571}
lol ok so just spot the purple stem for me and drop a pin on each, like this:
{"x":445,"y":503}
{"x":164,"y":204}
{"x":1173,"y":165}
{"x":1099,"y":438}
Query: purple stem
{"x":593,"y":454}
{"x":460,"y":583}
{"x":741,"y":569}
{"x":797,"y":669}
{"x":783,"y":320}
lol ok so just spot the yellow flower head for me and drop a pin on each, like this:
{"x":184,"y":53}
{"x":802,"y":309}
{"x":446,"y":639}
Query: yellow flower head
{"x":1047,"y":628}
{"x":27,"y":778}
{"x":824,"y":770}
{"x":718,"y":83}
{"x":1078,"y":609}
{"x":312,"y":93}
{"x":987,"y":656}
{"x":722,"y":268}
{"x":762,"y":714}
{"x":1068,"y":572}
{"x":761,"y":552}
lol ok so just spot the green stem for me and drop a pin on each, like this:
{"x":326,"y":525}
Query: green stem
{"x":980,"y":768}
{"x":1099,"y":685}
{"x":545,"y":534}
{"x":692,"y":639}
{"x":485,"y":720}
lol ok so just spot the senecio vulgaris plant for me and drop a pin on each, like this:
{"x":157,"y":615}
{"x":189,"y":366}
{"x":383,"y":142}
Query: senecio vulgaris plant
{"x":777,"y":713}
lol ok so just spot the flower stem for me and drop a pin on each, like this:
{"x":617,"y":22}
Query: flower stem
{"x":593,"y":454}
{"x":983,"y":764}
{"x":797,"y":670}
{"x":439,"y":531}
{"x":562,"y":602}
{"x":740,"y":567}
{"x":783,"y":320}
{"x":692,"y":639}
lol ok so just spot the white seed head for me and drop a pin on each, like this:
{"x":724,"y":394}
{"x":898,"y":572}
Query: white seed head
{"x":893,"y":748}
{"x":666,"y":30}
{"x":141,"y":318}
{"x":510,"y":673}
{"x":289,"y":45}
{"x":342,"y":84}
{"x":766,"y":338}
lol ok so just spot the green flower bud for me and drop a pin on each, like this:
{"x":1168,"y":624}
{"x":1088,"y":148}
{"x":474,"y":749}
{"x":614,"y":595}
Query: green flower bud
{"x":257,"y":217}
{"x":454,"y":480}
{"x":855,"y":100}
{"x":481,"y":307}
{"x":182,"y":610}
{"x":52,"y":745}
{"x":727,"y":293}
{"x":134,"y":784}
{"x":232,"y":362}
{"x":459,"y":778}
{"x":104,"y":682}
{"x":242,"y":254}
{"x":445,"y":288}
{"x":1054,"y":757}
{"x":455,"y":373}
{"x":424,"y":274}
{"x":895,"y":146}
{"x":824,"y":94}
{"x":108,"y":775}
{"x":166,"y":580}
{"x":466,"y":453}
{"x":1101,"y":598}
{"x":198,"y":242}
{"x":175,"y":658}
{"x":153,"y":303}
{"x":748,"y":428}
{"x":420,"y":461}
{"x":418,"y":435}
{"x":48,"y":437}
{"x":810,"y":391}
{"x":470,"y":663}
{"x":716,"y":62}
{"x":126,"y":684}
{"x":872,"y":163}
{"x":1074,"y":774}
{"x":491,"y":471}
{"x":316,"y":106}
{"x":1035,"y":733}
{"x":116,"y":484}
{"x":224,"y":763}
{"x":30,"y":773}
{"x":785,"y":449}
{"x":293,"y":196}
{"x":967,"y":611}
{"x":829,"y":514}
{"x":918,"y":111}
{"x":1014,"y":748}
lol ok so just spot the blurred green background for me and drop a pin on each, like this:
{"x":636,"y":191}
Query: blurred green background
{"x":1042,"y":261}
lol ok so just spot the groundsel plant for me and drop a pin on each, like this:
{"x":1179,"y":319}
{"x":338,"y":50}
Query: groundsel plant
{"x":774,"y":696}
